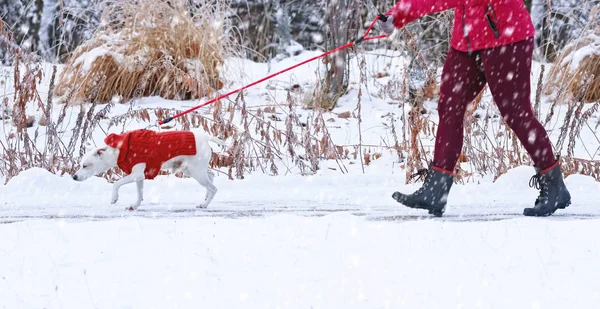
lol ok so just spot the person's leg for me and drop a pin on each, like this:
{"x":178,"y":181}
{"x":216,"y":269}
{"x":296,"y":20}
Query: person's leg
{"x":462,"y":80}
{"x":507,"y":70}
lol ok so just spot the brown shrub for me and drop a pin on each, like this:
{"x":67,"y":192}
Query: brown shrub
{"x":150,"y":47}
{"x":578,"y":68}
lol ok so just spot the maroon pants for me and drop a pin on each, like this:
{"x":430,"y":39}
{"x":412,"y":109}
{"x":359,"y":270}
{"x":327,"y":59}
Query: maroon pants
{"x":506,"y":70}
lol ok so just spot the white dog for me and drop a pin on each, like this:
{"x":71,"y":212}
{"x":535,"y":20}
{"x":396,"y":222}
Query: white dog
{"x":141,"y":154}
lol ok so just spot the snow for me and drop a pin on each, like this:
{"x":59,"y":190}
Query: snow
{"x":87,"y":59}
{"x":592,"y":48}
{"x":509,"y":31}
{"x":229,"y":257}
{"x":294,"y":48}
{"x":577,"y":57}
{"x":195,"y":68}
{"x":289,"y":261}
{"x":309,"y":242}
{"x":36,"y":193}
{"x":330,"y":240}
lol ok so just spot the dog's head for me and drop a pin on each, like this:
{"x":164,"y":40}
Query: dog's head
{"x":94,"y":162}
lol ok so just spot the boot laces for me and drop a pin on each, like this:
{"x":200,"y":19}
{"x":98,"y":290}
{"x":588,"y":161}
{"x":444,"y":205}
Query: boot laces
{"x":420,"y":174}
{"x":540,"y":183}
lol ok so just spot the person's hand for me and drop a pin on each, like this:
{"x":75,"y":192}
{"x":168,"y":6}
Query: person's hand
{"x":387,"y":26}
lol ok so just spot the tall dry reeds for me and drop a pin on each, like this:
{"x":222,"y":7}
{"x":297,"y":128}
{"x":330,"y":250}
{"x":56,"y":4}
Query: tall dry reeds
{"x":166,"y":48}
{"x":20,"y":150}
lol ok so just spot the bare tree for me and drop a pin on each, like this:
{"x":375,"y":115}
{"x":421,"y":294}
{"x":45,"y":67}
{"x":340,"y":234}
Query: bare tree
{"x":558,"y":22}
{"x":527,"y":5}
{"x":343,"y":21}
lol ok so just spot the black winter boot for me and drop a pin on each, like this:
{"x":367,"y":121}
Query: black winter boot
{"x":432,"y":195}
{"x":553,"y":192}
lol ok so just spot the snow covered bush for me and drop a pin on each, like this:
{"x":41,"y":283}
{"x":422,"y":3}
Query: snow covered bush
{"x":578,"y":68}
{"x":575,"y":81}
{"x":161,"y":48}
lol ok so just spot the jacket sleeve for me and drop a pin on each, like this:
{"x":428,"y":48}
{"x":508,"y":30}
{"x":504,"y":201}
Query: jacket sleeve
{"x":406,"y":11}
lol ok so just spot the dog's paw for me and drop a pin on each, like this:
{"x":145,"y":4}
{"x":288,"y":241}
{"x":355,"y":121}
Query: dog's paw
{"x":202,"y":206}
{"x":131,"y":208}
{"x":112,"y":202}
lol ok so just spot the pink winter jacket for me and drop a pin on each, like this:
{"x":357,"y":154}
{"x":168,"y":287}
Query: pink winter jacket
{"x":478,"y":24}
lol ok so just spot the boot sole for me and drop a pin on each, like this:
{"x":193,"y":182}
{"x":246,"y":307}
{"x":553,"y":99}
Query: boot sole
{"x":531,"y":212}
{"x":437,"y":212}
{"x":567,"y":204}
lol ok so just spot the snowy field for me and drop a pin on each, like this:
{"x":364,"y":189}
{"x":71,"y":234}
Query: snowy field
{"x":307,"y":242}
{"x":38,"y":194}
{"x":330,"y":240}
{"x":287,"y":261}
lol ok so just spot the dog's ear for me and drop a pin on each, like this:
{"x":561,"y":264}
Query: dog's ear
{"x":100,"y":152}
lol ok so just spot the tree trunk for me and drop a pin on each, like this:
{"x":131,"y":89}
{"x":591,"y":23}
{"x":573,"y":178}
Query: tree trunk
{"x":34,"y":19}
{"x":48,"y":32}
{"x":528,"y":5}
{"x":343,"y":20}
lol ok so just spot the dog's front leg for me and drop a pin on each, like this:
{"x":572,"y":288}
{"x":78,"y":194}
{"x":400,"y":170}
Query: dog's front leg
{"x":137,"y":175}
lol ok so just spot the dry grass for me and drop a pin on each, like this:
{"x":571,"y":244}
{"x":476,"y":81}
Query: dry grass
{"x":578,"y":68}
{"x":571,"y":166}
{"x":150,"y":47}
{"x":259,"y":143}
{"x":19,"y":150}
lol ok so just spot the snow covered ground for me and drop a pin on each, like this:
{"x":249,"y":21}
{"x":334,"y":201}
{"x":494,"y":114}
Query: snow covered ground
{"x":36,"y":194}
{"x":330,"y":240}
{"x":286,"y":261}
{"x":294,"y":242}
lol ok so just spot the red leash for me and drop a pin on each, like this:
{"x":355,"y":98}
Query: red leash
{"x":360,"y":40}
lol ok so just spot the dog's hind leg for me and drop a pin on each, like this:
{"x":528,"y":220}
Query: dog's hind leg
{"x":211,"y":175}
{"x":205,"y":179}
{"x":140,"y":193}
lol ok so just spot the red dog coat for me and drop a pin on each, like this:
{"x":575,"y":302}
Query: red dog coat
{"x":150,"y":147}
